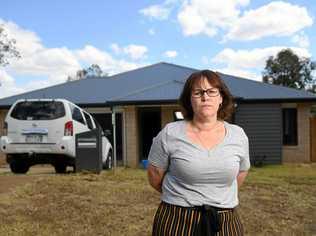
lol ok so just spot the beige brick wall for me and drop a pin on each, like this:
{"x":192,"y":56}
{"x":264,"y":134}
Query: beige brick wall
{"x":131,"y":131}
{"x":3,"y":113}
{"x":301,"y":152}
{"x":167,"y":114}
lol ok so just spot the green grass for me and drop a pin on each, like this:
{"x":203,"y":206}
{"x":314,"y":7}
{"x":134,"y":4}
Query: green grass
{"x":275,"y":200}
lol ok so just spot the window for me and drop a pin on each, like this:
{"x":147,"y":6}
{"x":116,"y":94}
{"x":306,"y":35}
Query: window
{"x":76,"y":114}
{"x":89,"y":121}
{"x":38,"y":110}
{"x":289,"y":126}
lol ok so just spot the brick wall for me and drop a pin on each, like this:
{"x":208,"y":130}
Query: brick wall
{"x":301,"y":152}
{"x":167,"y":114}
{"x":131,"y":131}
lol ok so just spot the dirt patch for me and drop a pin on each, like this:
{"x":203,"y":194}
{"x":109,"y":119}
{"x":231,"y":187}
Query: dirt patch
{"x":10,"y":181}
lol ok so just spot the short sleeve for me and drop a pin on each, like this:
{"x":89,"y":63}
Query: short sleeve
{"x":244,"y":158}
{"x":158,"y":155}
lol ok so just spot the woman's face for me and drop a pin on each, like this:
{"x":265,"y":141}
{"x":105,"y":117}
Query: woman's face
{"x":205,"y":99}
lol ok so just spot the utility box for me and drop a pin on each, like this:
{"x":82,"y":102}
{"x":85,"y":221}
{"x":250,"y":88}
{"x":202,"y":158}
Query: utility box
{"x":89,"y":151}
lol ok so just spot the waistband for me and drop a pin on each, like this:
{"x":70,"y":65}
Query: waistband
{"x":200,"y":208}
{"x":210,"y":222}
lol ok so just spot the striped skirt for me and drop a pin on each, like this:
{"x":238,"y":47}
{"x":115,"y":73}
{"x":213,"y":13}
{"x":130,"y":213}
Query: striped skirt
{"x":172,"y":220}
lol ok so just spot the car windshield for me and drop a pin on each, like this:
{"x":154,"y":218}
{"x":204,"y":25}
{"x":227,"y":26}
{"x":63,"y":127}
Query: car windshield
{"x":38,"y":110}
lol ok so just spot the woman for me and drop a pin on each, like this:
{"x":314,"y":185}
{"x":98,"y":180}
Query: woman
{"x":198,"y":164}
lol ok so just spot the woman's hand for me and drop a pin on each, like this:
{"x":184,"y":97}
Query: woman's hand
{"x":241,"y":177}
{"x":155,"y":177}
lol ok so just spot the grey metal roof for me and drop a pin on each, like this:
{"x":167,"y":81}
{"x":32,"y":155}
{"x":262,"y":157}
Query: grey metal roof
{"x":254,"y":90}
{"x":155,"y":83}
{"x":165,"y":92}
{"x":96,"y":91}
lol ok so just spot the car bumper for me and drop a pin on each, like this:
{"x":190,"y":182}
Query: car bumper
{"x":66,"y":146}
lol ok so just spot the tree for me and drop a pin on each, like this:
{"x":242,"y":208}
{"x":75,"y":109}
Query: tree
{"x":289,"y":70}
{"x":92,"y":71}
{"x":7,"y":48}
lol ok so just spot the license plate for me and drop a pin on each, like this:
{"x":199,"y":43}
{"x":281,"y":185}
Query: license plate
{"x":34,"y":138}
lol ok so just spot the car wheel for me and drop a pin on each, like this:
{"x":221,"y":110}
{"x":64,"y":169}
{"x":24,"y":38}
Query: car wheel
{"x":109,"y":160}
{"x":19,"y":167}
{"x":60,"y":168}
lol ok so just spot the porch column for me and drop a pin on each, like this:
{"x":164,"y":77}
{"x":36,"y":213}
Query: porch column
{"x":131,"y":128}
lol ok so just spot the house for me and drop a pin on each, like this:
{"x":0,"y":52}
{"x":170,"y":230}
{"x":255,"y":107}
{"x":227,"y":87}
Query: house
{"x":278,"y":120}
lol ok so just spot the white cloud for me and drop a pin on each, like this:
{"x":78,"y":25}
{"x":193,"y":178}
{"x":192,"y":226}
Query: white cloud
{"x":92,"y":55}
{"x":196,"y":17}
{"x":301,"y":40}
{"x":136,"y":51}
{"x":249,"y":63}
{"x":274,"y":19}
{"x":151,"y":31}
{"x":115,"y":47}
{"x":159,"y":11}
{"x":53,"y":65}
{"x":37,"y":60}
{"x":156,"y":11}
{"x":47,"y":62}
{"x":254,"y":58}
{"x":248,"y":74}
{"x":7,"y":85}
{"x":171,"y":54}
{"x":27,"y":42}
{"x":206,"y":17}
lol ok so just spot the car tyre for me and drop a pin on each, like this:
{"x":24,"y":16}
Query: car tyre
{"x":19,"y":167}
{"x":60,"y":168}
{"x":109,"y":160}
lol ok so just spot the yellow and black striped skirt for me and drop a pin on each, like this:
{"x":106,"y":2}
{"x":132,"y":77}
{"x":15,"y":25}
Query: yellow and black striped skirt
{"x":172,"y":220}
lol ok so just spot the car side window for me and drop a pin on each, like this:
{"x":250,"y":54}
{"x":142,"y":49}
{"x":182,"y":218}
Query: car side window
{"x":89,"y":121}
{"x":77,"y":116}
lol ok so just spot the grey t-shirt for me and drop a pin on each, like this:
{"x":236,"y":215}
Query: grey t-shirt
{"x":196,"y":175}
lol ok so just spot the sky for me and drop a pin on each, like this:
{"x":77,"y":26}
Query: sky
{"x":57,"y":38}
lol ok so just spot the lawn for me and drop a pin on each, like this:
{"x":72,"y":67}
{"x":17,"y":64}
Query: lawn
{"x":275,"y":200}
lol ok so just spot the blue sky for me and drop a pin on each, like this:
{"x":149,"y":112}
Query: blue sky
{"x":56,"y":38}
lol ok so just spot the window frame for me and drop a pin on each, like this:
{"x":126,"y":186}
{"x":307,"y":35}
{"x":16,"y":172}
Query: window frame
{"x":73,"y":109}
{"x":289,"y":126}
{"x":30,"y":110}
{"x":88,"y":120}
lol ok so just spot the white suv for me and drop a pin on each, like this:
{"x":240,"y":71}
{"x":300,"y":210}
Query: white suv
{"x":42,"y":131}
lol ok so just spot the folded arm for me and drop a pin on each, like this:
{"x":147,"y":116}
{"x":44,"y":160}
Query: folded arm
{"x":241,"y":177}
{"x":155,"y":177}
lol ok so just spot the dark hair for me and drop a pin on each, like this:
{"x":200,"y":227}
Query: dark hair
{"x":225,"y":110}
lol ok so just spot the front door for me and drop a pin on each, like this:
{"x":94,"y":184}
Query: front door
{"x":149,"y":120}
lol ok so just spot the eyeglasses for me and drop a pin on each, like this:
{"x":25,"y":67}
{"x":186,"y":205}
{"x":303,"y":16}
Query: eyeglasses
{"x":200,"y":92}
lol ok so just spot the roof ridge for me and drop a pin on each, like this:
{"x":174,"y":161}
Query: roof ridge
{"x":151,"y":65}
{"x":172,"y":64}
